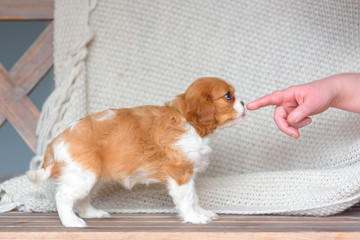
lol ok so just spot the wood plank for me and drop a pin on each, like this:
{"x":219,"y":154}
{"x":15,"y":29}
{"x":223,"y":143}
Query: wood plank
{"x":20,"y":225}
{"x":155,"y":226}
{"x":26,"y":9}
{"x":33,"y":222}
{"x":167,"y":226}
{"x":181,"y":235}
{"x":18,"y":109}
{"x":171,"y":219}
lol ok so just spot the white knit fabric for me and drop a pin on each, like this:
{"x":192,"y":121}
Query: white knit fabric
{"x":113,"y":53}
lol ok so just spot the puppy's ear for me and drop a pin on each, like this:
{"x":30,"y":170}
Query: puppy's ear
{"x":201,"y":113}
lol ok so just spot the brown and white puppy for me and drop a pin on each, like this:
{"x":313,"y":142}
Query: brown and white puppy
{"x":146,"y":144}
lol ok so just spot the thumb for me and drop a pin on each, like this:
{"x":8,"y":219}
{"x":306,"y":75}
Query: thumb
{"x":299,"y":113}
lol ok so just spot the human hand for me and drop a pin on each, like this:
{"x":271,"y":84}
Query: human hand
{"x":295,"y":104}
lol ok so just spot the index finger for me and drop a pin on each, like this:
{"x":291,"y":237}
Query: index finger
{"x":275,"y":98}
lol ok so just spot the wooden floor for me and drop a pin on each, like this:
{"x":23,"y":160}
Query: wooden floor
{"x":19,"y":225}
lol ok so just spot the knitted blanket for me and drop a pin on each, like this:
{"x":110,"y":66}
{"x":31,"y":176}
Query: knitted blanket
{"x":114,"y":54}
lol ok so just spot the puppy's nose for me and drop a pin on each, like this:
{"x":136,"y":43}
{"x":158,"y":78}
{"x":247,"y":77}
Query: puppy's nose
{"x":242,"y":103}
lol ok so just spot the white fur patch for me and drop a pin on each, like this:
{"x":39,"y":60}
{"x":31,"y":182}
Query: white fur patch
{"x":239,"y":108}
{"x":109,"y":114}
{"x":195,"y":148}
{"x":73,"y":185}
{"x":61,"y":153}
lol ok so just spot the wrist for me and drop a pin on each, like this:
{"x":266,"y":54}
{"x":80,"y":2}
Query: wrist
{"x":330,"y":90}
{"x":336,"y":88}
{"x":346,"y":91}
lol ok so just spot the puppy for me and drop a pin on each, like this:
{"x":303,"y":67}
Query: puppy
{"x":146,"y":144}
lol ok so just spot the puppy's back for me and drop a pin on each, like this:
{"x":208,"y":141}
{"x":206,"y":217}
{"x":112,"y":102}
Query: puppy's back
{"x":115,"y":143}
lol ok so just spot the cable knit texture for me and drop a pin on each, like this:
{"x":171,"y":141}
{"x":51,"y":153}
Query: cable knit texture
{"x":118,"y":54}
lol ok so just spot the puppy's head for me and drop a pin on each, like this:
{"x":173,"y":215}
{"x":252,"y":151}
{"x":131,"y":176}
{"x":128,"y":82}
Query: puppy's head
{"x":210,"y":103}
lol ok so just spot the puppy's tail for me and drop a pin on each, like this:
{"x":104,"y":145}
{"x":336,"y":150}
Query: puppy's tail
{"x":43,"y":173}
{"x":39,"y":175}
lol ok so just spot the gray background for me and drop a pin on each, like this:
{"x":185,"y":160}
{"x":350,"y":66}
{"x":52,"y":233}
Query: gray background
{"x":15,"y":38}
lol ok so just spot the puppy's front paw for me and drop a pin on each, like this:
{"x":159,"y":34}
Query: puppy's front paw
{"x":196,"y":218}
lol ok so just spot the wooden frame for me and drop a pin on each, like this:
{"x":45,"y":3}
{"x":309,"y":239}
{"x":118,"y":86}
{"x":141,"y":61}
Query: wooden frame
{"x":16,"y":107}
{"x":15,"y":85}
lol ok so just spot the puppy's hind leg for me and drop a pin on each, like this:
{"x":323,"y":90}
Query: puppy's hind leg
{"x":86,"y":210}
{"x":74,"y":184}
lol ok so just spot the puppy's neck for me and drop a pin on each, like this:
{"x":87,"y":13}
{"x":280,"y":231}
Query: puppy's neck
{"x":179,"y":105}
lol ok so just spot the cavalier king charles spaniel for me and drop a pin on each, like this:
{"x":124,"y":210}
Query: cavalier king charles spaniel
{"x":147,"y":144}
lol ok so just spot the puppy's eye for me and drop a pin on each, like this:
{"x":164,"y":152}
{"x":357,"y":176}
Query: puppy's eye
{"x":228,"y":96}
